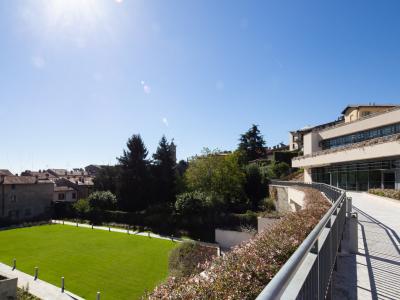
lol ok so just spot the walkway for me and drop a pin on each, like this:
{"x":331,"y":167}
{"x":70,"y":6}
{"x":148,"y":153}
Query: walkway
{"x":39,"y":288}
{"x":113,"y":229}
{"x":374,"y":273}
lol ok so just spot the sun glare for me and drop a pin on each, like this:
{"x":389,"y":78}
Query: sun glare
{"x":73,"y":13}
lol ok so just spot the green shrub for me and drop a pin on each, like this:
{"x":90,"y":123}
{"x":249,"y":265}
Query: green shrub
{"x":192,"y":203}
{"x":269,"y":205}
{"x":82,"y":208}
{"x":102,"y":200}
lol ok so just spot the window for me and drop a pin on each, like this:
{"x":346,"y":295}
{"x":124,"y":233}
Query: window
{"x":365,"y":113}
{"x":360,"y":136}
{"x":73,"y":195}
{"x":13,"y":198}
{"x":13,"y":186}
{"x":61,"y":196}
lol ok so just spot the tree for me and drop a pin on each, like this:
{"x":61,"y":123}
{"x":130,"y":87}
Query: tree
{"x":106,"y":179}
{"x":278,"y":170}
{"x":255,"y":188}
{"x":218,"y":175}
{"x":133,"y":183}
{"x":164,"y":171}
{"x":102,"y":200}
{"x":81,"y":207}
{"x":251,"y":144}
{"x":192,"y":203}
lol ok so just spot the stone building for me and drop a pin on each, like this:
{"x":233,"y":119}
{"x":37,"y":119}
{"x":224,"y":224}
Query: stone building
{"x":65,"y":194}
{"x":25,"y":197}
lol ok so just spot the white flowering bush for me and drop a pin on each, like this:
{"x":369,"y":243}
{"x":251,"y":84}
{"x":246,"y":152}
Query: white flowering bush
{"x":247,"y":269}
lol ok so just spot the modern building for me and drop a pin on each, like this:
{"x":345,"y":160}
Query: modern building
{"x":25,"y":197}
{"x":359,"y":153}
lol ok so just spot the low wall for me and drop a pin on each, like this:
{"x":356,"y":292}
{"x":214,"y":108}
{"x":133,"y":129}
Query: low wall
{"x":229,"y":238}
{"x":8,"y":288}
{"x":287,"y":199}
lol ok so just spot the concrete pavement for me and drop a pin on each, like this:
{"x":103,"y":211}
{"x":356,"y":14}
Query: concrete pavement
{"x":374,"y":272}
{"x":38,"y":288}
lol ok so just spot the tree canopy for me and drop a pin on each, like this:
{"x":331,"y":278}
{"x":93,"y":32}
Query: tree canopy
{"x":251,"y":144}
{"x":218,"y":175}
{"x":133,"y":189}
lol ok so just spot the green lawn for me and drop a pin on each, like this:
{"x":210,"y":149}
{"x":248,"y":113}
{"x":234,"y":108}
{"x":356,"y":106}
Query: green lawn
{"x":120,"y":266}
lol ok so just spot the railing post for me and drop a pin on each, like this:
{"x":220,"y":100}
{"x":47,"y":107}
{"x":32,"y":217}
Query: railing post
{"x":14,"y":264}
{"x":62,"y":284}
{"x":349,"y":207}
{"x":353,"y":233}
{"x":98,"y":296}
{"x":36,"y":273}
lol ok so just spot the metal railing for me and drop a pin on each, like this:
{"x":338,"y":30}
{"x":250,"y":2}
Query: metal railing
{"x":307,"y":273}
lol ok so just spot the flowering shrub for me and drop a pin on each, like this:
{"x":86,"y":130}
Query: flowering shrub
{"x":189,"y":259}
{"x":394,"y":194}
{"x":247,"y":269}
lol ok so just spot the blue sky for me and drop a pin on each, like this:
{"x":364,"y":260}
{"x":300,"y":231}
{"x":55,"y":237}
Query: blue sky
{"x":78,"y":77}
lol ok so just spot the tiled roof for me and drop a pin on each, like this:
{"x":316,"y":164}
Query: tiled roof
{"x":24,"y":180}
{"x":63,"y":189}
{"x":5,"y":172}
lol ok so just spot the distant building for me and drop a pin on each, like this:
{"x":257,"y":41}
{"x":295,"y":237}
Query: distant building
{"x":41,"y":175}
{"x":64,"y":194}
{"x":359,"y":153}
{"x":25,"y":197}
{"x":6,"y":172}
{"x":93,"y":170}
{"x":83,"y":185}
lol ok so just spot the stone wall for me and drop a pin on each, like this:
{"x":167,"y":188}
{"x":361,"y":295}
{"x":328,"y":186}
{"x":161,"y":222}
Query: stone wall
{"x":26,"y":201}
{"x":287,"y":199}
{"x":8,"y":288}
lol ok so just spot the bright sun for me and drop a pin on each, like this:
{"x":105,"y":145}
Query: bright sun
{"x":73,"y":13}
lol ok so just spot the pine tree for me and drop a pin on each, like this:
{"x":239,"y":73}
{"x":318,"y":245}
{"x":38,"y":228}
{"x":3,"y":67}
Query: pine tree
{"x":252,"y":144}
{"x":134,"y":180}
{"x":165,"y":171}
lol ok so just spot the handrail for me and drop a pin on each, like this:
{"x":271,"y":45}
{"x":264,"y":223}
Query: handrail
{"x":277,"y":286}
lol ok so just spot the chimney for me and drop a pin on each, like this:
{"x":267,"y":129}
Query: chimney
{"x":2,"y":179}
{"x":47,"y":176}
{"x":36,"y":179}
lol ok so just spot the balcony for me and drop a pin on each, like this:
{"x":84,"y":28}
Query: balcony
{"x":372,"y":149}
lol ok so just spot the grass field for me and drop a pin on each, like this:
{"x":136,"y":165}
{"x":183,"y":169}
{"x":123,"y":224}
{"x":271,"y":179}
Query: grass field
{"x":120,"y":266}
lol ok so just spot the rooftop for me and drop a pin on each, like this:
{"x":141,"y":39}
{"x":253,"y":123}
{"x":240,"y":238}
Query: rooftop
{"x":24,"y":180}
{"x":368,"y":105}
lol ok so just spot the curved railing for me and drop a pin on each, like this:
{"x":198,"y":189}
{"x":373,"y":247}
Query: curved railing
{"x":308,"y":272}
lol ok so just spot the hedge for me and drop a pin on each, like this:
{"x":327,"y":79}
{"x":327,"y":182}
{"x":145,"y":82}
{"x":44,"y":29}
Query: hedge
{"x":394,"y":194}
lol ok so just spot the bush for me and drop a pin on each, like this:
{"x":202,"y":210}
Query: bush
{"x":102,"y":200}
{"x":247,"y":269}
{"x":269,"y":205}
{"x":189,"y":258}
{"x":82,"y":208}
{"x":192,"y":203}
{"x":394,"y":194}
